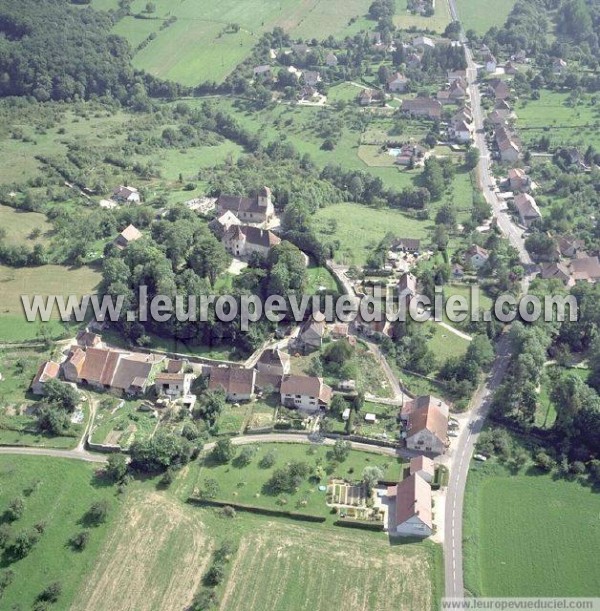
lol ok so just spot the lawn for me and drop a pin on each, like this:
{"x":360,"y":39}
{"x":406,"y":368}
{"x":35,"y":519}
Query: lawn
{"x":246,"y":484}
{"x":58,"y":493}
{"x":481,"y":15}
{"x":437,"y":22}
{"x":21,"y":227}
{"x":320,"y":279}
{"x":359,"y":229}
{"x":444,"y":343}
{"x":289,"y":566}
{"x":545,"y":414}
{"x":232,"y":419}
{"x":529,"y":535}
{"x":564,"y":124}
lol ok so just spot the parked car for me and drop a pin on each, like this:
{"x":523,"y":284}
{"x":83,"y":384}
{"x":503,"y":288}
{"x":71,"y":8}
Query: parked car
{"x":480,"y":457}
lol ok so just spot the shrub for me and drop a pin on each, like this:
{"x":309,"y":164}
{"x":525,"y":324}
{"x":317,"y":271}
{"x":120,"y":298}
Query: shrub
{"x":15,"y":509}
{"x":79,"y":541}
{"x":97,"y":513}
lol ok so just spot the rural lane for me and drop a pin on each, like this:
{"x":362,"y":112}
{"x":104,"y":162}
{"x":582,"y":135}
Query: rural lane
{"x":453,"y":538}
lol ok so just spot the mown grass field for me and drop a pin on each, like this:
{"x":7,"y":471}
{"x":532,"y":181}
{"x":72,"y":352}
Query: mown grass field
{"x":289,"y":567}
{"x":359,"y":228}
{"x":58,"y":492}
{"x":20,"y":225}
{"x":437,"y":22}
{"x":153,"y":558}
{"x":246,"y":484}
{"x":481,"y":15}
{"x":199,"y":46}
{"x":529,"y":535}
{"x":564,"y":124}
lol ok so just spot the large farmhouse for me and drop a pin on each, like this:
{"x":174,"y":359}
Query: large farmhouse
{"x":257,"y":209}
{"x":425,"y":424}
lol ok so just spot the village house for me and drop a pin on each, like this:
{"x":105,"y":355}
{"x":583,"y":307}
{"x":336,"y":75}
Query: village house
{"x":87,"y":339}
{"x":423,"y":107}
{"x":454,"y":75}
{"x":311,"y":78}
{"x":340,"y":330}
{"x":422,"y":466}
{"x":106,"y":369}
{"x":456,"y":93}
{"x":557,"y":271}
{"x":499,"y":89}
{"x":460,"y":131}
{"x":294,"y":72}
{"x":527,"y":209}
{"x":559,"y":66}
{"x":331,"y":59}
{"x":509,"y":68}
{"x":47,"y":371}
{"x":220,"y":224}
{"x":489,"y":62}
{"x":458,"y":271}
{"x":244,"y":240}
{"x":498,"y":117}
{"x":127,"y":236}
{"x":258,"y":209}
{"x":300,"y":49}
{"x":406,"y":245}
{"x":413,"y":60}
{"x":412,"y":508}
{"x":173,"y":385}
{"x":411,"y":155}
{"x":126,"y":195}
{"x":307,"y":93}
{"x":570,"y":247}
{"x":422,"y":43}
{"x":237,"y":383}
{"x":263,"y":72}
{"x":397,"y":83}
{"x":477,"y":256}
{"x":307,"y":393}
{"x":425,"y":424}
{"x":585,"y":269}
{"x":312,"y":333}
{"x":275,"y":362}
{"x":518,"y":181}
{"x":508,"y":149}
{"x":370,"y":96}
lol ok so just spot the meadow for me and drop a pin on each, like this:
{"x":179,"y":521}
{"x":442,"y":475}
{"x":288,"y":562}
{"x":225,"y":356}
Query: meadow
{"x":200,"y":46}
{"x":437,"y":22}
{"x":529,"y":534}
{"x":481,"y":15}
{"x":28,"y":228}
{"x":289,"y":567}
{"x":58,"y":493}
{"x":554,"y":117}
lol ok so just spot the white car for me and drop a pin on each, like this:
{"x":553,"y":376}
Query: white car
{"x":452,"y":433}
{"x":480,"y":457}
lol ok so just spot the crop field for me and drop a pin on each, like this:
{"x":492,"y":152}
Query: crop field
{"x":564,"y":123}
{"x":481,"y":15}
{"x":153,"y":558}
{"x":529,"y":535}
{"x":58,"y":492}
{"x":199,"y":45}
{"x":288,"y":567}
{"x":246,"y":484}
{"x":437,"y":22}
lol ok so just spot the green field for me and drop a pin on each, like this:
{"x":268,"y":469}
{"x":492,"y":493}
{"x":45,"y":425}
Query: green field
{"x":445,"y":344}
{"x":529,"y":535}
{"x":554,"y":117}
{"x":481,"y":15}
{"x":319,"y":279}
{"x":293,"y":567}
{"x":437,"y":22}
{"x":245,"y":484}
{"x":20,"y":225}
{"x":200,"y":47}
{"x":359,"y":229}
{"x":57,"y":492}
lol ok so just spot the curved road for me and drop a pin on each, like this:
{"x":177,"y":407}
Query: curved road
{"x":453,"y":540}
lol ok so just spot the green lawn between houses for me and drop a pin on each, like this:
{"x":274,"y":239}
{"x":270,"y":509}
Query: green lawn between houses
{"x":529,"y":535}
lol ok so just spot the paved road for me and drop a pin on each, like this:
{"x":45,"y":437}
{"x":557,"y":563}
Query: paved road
{"x":73,"y":454}
{"x":453,"y":541}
